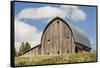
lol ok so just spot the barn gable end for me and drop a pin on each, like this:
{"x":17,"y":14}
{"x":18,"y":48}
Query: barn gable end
{"x":57,"y":38}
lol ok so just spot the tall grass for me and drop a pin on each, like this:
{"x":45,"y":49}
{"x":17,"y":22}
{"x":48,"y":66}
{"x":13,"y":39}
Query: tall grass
{"x":55,"y":59}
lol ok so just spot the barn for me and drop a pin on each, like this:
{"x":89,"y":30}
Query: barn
{"x":60,"y":37}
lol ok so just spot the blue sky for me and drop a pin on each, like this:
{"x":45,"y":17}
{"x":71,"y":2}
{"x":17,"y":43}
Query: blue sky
{"x":86,"y":20}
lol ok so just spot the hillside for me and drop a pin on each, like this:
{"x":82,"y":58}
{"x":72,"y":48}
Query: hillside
{"x":56,"y":59}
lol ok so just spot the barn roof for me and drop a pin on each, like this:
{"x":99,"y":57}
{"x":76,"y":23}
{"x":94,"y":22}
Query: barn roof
{"x":79,"y":35}
{"x":29,"y":49}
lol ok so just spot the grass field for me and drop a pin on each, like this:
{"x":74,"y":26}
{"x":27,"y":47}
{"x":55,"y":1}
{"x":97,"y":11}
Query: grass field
{"x":55,"y":59}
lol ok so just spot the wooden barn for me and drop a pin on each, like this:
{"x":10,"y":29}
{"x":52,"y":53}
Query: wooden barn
{"x":60,"y":37}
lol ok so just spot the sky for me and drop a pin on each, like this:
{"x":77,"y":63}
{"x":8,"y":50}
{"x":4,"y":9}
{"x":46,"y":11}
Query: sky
{"x":32,"y":18}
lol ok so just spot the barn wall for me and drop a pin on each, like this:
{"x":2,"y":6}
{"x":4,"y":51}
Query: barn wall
{"x":81,"y":48}
{"x":57,"y":39}
{"x":35,"y":51}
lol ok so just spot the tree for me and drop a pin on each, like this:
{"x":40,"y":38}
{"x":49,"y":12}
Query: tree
{"x":24,"y":47}
{"x":21,"y":50}
{"x":28,"y":46}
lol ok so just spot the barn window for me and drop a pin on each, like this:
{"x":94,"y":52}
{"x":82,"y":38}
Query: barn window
{"x":76,"y":49}
{"x":67,"y":37}
{"x":67,"y":51}
{"x":48,"y":53}
{"x":48,"y":41}
{"x":58,"y":52}
{"x":57,"y":21}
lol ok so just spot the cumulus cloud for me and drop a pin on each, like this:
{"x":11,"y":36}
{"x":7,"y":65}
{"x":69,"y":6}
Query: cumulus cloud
{"x":26,"y":33}
{"x":42,"y":12}
{"x":72,"y":12}
{"x":29,"y":33}
{"x":78,"y":15}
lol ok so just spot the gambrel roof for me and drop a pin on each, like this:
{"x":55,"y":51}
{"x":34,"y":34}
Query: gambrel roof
{"x":79,"y":35}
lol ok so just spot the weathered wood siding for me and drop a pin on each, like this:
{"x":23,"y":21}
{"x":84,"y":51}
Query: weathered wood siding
{"x":57,"y":39}
{"x":81,"y":48}
{"x":33,"y":52}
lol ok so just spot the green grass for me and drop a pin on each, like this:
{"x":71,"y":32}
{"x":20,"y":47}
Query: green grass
{"x":55,"y":59}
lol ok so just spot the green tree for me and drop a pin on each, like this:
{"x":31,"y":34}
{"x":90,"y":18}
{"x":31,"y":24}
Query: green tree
{"x":21,"y":50}
{"x":28,"y":46}
{"x":24,"y":47}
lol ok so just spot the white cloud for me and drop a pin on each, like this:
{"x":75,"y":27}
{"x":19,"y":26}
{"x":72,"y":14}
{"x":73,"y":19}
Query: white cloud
{"x":26,"y":33}
{"x":78,"y":15}
{"x":42,"y":12}
{"x":72,"y":12}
